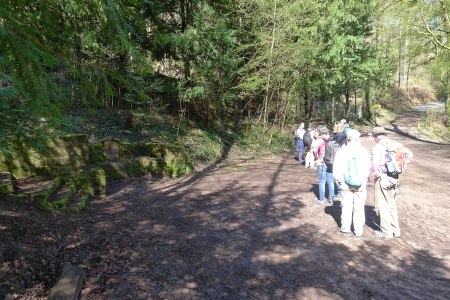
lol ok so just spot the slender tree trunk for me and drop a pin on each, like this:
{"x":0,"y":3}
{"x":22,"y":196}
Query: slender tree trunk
{"x":307,"y":104}
{"x":399,"y":61}
{"x":405,"y":62}
{"x":347,"y":101}
{"x":266,"y":100}
{"x":369,"y":112}
{"x":184,"y":11}
{"x":407,"y":76}
{"x":333,"y":104}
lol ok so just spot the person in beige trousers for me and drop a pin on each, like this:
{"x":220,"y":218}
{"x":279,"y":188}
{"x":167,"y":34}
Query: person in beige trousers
{"x":386,"y":187}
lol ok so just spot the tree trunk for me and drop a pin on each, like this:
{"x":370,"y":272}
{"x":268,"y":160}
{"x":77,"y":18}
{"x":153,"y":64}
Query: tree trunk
{"x":406,"y":63}
{"x":307,"y":107}
{"x":184,"y":11}
{"x":347,"y":101}
{"x":369,"y":112}
{"x":333,"y":104}
{"x":399,"y":61}
{"x":266,"y":99}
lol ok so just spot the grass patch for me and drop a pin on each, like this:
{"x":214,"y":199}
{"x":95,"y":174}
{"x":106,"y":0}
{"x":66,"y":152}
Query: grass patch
{"x":435,"y":126}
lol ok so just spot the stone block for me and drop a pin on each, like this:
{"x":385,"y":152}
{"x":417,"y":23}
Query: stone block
{"x":68,"y":286}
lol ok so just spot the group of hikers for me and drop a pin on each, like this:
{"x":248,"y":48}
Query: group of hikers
{"x":344,"y":166}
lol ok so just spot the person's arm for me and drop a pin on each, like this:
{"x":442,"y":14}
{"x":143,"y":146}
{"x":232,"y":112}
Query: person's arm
{"x":408,"y":155}
{"x":367,"y":164}
{"x":338,"y":168}
{"x":378,"y":158}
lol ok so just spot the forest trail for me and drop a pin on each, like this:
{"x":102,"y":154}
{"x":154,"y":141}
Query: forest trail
{"x":247,"y":230}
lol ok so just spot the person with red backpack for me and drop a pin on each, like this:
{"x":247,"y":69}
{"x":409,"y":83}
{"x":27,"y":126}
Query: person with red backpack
{"x":388,"y":162}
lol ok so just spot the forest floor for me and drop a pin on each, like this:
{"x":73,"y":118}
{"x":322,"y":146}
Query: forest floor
{"x":239,"y":230}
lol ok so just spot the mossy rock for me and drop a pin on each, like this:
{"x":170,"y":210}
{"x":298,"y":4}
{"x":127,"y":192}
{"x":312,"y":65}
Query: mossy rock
{"x":55,"y":156}
{"x":79,"y":202}
{"x":132,"y":150}
{"x":6,"y":183}
{"x":177,"y":160}
{"x":42,"y":197}
{"x":98,"y":181}
{"x":132,"y":167}
{"x":59,"y":199}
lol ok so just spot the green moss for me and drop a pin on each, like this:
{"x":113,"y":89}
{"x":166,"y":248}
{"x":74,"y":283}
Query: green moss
{"x":97,"y":180}
{"x":42,"y":197}
{"x":177,"y":161}
{"x":82,"y":204}
{"x":45,"y":159}
{"x":132,"y":150}
{"x":6,"y":188}
{"x":96,"y":153}
{"x":139,"y":166}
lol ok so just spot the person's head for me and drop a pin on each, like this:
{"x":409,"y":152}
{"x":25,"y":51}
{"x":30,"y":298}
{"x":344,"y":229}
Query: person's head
{"x":339,"y":127}
{"x":344,"y":124}
{"x":353,"y":136}
{"x":302,"y":125}
{"x":378,"y":133}
{"x":336,"y":127}
{"x":322,"y":130}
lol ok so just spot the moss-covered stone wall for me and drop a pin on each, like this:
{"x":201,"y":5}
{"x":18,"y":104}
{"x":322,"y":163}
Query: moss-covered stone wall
{"x":72,"y":155}
{"x":57,"y":156}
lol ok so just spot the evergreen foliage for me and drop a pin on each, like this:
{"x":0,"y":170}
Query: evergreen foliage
{"x":267,"y":61}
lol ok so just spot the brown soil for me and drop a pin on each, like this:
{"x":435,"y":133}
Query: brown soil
{"x":239,"y":230}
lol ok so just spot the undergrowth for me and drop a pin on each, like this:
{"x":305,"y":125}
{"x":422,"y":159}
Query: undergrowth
{"x":205,"y":144}
{"x":435,"y":126}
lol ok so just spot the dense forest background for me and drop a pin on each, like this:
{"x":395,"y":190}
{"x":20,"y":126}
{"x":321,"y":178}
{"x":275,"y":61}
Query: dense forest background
{"x":216,"y":64}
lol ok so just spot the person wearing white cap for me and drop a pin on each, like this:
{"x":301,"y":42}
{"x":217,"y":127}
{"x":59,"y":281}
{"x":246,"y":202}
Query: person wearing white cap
{"x":351,"y":170}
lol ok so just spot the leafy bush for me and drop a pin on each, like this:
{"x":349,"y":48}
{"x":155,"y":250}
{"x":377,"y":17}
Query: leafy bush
{"x":202,"y":145}
{"x":258,"y":141}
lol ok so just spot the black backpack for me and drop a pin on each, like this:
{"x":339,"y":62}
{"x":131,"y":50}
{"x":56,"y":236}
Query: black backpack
{"x":331,"y":148}
{"x":307,"y":138}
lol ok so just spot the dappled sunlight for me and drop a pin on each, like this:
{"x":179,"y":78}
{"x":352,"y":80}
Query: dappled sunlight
{"x":144,"y":223}
{"x":278,"y":254}
{"x":316,"y":293}
{"x":229,"y":253}
{"x":286,"y":225}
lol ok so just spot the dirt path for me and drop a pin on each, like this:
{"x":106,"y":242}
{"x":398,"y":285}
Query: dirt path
{"x":247,"y":230}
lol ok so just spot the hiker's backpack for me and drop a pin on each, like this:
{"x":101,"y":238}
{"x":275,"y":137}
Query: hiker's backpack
{"x":346,"y":130}
{"x":395,"y":159}
{"x":307,"y":140}
{"x":352,"y":171}
{"x":331,"y":148}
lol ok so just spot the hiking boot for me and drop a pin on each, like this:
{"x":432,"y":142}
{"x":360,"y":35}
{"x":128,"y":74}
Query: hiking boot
{"x":382,"y":234}
{"x":344,"y":233}
{"x":330,"y":201}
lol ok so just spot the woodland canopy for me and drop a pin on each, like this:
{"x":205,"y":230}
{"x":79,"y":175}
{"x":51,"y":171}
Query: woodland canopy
{"x":268,"y":61}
